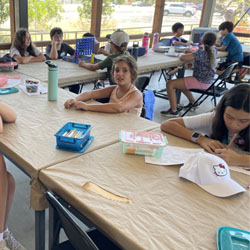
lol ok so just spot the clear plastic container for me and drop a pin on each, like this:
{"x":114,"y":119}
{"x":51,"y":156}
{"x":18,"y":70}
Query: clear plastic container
{"x":32,"y":86}
{"x":142,"y":142}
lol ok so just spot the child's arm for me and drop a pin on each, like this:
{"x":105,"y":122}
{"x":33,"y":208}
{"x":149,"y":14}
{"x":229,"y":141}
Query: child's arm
{"x":22,"y":59}
{"x":53,"y":51}
{"x":88,"y":95}
{"x":39,"y":58}
{"x":222,"y":48}
{"x":134,"y":99}
{"x":177,"y":127}
{"x":7,"y":114}
{"x":186,"y":57}
{"x":89,"y":66}
{"x":232,"y":158}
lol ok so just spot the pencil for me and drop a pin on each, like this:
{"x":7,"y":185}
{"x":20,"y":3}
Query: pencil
{"x":231,"y":142}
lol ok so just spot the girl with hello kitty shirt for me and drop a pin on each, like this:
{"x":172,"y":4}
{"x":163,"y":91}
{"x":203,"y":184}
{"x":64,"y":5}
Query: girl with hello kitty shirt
{"x":212,"y":131}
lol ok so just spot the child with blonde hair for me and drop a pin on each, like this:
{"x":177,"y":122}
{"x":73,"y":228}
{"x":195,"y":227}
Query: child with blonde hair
{"x":124,"y":97}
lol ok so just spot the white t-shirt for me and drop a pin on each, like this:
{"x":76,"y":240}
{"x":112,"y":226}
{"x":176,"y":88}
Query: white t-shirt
{"x":200,"y":123}
{"x":15,"y":51}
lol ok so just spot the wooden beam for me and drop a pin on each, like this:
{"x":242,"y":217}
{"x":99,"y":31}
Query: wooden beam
{"x":203,"y":12}
{"x":96,"y":18}
{"x":158,"y":17}
{"x":12,"y":20}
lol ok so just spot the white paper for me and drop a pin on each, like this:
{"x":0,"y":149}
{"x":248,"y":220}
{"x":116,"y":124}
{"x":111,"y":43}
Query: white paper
{"x":41,"y":90}
{"x":173,"y":156}
{"x":12,"y":82}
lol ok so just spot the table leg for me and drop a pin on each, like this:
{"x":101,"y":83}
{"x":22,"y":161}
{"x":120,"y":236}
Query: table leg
{"x":40,"y":230}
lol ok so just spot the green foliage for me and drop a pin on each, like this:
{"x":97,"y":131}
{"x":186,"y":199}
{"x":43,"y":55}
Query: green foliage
{"x":42,"y":13}
{"x":4,"y":10}
{"x":85,"y":10}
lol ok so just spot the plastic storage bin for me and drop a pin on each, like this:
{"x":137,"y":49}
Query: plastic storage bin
{"x":7,"y":66}
{"x":84,"y":48}
{"x":142,"y":142}
{"x":32,"y":86}
{"x":71,"y":142}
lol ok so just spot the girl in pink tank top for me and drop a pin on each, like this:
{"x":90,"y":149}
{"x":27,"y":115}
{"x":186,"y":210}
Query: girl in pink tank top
{"x":124,"y":97}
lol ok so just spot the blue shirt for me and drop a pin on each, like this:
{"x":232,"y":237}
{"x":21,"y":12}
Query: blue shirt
{"x":234,"y":49}
{"x":179,"y":39}
{"x":202,"y":70}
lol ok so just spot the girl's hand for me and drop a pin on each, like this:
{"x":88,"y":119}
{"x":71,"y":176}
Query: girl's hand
{"x":210,"y":145}
{"x":229,"y":156}
{"x":81,"y":105}
{"x":69,"y":103}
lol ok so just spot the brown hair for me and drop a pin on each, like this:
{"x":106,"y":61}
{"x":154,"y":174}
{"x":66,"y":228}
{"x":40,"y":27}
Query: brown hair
{"x":208,"y":41}
{"x":19,"y":42}
{"x":131,"y":64}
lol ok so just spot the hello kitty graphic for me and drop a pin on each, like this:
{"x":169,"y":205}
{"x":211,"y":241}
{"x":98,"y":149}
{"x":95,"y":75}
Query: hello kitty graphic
{"x":220,"y":170}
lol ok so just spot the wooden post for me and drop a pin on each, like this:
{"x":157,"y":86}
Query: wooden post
{"x":12,"y":20}
{"x":158,"y":17}
{"x":96,"y":18}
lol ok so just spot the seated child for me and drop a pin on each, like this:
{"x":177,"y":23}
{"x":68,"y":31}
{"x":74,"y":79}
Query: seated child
{"x":22,"y":49}
{"x":178,"y":30}
{"x":230,"y":44}
{"x":57,"y":49}
{"x":118,"y":41}
{"x":203,"y":74}
{"x":213,"y":130}
{"x":96,"y":42}
{"x":106,"y":50}
{"x":124,"y":97}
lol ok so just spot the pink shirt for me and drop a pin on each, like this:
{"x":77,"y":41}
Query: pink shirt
{"x":114,"y":99}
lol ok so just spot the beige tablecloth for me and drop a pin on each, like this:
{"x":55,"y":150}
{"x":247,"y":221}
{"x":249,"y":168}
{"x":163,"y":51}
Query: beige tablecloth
{"x":68,"y":73}
{"x":166,"y":212}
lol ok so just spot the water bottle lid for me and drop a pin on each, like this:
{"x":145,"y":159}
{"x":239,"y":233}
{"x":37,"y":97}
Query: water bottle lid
{"x":135,"y":44}
{"x":51,"y":64}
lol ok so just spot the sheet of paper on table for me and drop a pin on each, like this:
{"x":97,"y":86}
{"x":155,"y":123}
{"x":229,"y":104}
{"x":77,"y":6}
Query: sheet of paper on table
{"x":173,"y":156}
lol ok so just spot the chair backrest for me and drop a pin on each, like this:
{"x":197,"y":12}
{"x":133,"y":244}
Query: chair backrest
{"x":77,"y":237}
{"x":228,"y":71}
{"x":164,"y":42}
{"x":142,"y":82}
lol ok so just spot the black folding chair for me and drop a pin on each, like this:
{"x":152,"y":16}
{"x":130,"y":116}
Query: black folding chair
{"x":142,"y":82}
{"x":216,"y":89}
{"x":78,"y":239}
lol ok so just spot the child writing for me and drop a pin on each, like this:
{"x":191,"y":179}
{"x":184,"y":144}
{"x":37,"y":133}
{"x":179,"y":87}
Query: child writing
{"x":22,"y":49}
{"x":230,"y":44}
{"x":231,"y":116}
{"x":203,"y":74}
{"x":7,"y":188}
{"x":118,"y":41}
{"x":123,"y":98}
{"x":57,"y":48}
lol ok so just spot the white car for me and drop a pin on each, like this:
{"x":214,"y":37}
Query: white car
{"x":178,"y":8}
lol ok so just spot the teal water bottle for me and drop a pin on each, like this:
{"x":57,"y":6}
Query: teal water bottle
{"x":52,"y":81}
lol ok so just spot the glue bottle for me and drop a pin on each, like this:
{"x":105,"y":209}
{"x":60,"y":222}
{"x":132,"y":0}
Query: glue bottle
{"x":145,"y":41}
{"x":52,"y":81}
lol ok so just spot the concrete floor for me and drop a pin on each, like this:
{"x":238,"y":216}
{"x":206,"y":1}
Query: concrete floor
{"x":22,"y":220}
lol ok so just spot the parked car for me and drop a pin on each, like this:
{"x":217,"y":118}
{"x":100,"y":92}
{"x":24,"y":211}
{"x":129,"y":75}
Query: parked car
{"x":192,"y":5}
{"x":140,"y":3}
{"x":179,"y":8}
